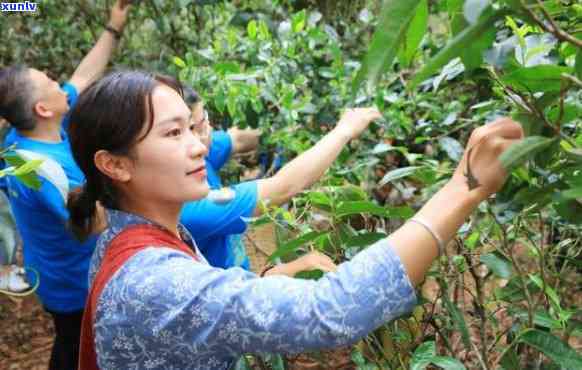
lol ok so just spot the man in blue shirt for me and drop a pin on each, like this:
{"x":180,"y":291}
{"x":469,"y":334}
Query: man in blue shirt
{"x":217,"y":225}
{"x":37,"y":108}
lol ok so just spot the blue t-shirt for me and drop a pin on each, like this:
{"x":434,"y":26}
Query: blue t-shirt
{"x":41,"y":216}
{"x":217,"y":228}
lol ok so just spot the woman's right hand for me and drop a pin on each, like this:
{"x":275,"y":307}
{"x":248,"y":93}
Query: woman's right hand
{"x":354,"y":121}
{"x":481,"y":158}
{"x":309,"y":262}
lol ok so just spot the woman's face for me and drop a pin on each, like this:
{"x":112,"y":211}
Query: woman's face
{"x":169,"y":165}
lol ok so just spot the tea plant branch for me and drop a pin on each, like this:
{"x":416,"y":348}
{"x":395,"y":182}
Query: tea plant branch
{"x":479,"y":305}
{"x":435,"y":325}
{"x":481,"y":360}
{"x":518,"y":268}
{"x":541,"y":257}
{"x":565,"y":85}
{"x":552,"y":28}
{"x":512,"y":93}
{"x":572,"y":79}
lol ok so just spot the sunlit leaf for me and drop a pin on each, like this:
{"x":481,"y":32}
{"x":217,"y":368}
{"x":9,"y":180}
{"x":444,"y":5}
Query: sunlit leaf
{"x":397,"y":174}
{"x":394,"y":20}
{"x":456,"y":46}
{"x":414,"y":34}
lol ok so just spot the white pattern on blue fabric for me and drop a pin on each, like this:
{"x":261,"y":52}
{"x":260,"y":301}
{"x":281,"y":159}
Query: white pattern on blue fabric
{"x":49,"y":169}
{"x":163,"y":310}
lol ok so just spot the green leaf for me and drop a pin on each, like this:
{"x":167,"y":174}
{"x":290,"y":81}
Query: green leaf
{"x":357,"y":207}
{"x":447,"y":363}
{"x":31,"y":180}
{"x":423,"y":355}
{"x":550,"y":345}
{"x":398,"y":173}
{"x":392,"y":26}
{"x":459,"y":321}
{"x":252,"y":29}
{"x":510,"y":361}
{"x":541,"y":78}
{"x":364,"y":240}
{"x":28,"y":167}
{"x":498,"y":264}
{"x":292,"y":245}
{"x":179,"y":62}
{"x":298,"y":21}
{"x":413,"y":37}
{"x":549,"y":291}
{"x":521,"y":151}
{"x":540,"y":318}
{"x":572,"y":193}
{"x":456,"y":46}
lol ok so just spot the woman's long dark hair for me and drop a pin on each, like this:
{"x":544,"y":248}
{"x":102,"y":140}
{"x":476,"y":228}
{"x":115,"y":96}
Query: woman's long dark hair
{"x":110,"y":115}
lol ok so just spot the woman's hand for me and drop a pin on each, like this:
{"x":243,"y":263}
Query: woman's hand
{"x":480,"y":169}
{"x":118,"y":15}
{"x":244,"y":141}
{"x":309,"y":262}
{"x":355,"y":121}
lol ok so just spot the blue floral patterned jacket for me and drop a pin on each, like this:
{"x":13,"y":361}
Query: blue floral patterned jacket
{"x":164,"y":310}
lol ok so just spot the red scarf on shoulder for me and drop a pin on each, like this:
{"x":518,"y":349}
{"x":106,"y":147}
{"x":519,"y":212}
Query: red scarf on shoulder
{"x":126,"y":244}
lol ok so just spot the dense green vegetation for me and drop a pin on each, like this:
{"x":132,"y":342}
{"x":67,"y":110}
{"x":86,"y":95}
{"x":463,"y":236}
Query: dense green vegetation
{"x":507,"y":295}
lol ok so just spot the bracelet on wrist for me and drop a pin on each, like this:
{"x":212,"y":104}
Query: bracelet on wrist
{"x":117,"y":34}
{"x":432,"y":232}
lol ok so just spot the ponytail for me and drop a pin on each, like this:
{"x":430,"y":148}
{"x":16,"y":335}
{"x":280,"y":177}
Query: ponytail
{"x":82,"y":206}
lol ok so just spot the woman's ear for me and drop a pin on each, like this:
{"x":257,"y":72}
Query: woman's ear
{"x":116,"y":167}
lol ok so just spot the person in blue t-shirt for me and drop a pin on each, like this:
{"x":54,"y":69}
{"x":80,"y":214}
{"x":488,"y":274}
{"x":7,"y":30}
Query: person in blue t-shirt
{"x":37,"y":108}
{"x":218,"y":221}
{"x":217,"y":225}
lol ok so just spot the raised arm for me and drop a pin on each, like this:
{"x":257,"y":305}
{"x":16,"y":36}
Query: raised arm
{"x":309,"y":166}
{"x":93,"y":65}
{"x":448,"y":209}
{"x":229,"y":312}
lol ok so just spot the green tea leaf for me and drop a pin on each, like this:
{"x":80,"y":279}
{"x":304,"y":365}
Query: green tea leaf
{"x":423,"y":355}
{"x":28,"y":167}
{"x":292,"y":245}
{"x":448,"y":363}
{"x":498,"y":264}
{"x":541,"y":78}
{"x":413,"y":37}
{"x":456,"y":46}
{"x":521,"y":151}
{"x":179,"y":62}
{"x":390,"y":31}
{"x":363,"y":240}
{"x":357,"y":207}
{"x":572,"y":193}
{"x":252,"y":29}
{"x":398,"y":173}
{"x":550,"y":345}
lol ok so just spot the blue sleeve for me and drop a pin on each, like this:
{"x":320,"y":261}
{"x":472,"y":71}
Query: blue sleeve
{"x":206,"y":219}
{"x":221,"y":313}
{"x":72,"y":96}
{"x":220,"y":149}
